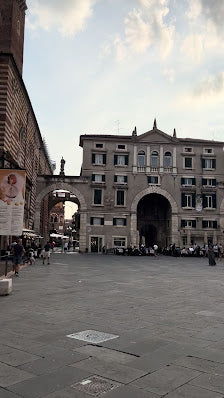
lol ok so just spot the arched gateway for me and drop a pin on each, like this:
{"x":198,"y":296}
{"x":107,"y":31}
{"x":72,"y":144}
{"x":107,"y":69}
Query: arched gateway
{"x":154,"y":218}
{"x":53,"y":183}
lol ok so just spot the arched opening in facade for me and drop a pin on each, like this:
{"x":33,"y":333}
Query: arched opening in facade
{"x":154,"y":220}
{"x":60,"y":210}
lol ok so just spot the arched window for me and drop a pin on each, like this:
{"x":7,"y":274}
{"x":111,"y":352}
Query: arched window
{"x":154,"y":159}
{"x":167,"y":159}
{"x":56,"y":219}
{"x":141,"y":159}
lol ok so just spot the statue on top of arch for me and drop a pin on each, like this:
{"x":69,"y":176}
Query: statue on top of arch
{"x":62,"y":172}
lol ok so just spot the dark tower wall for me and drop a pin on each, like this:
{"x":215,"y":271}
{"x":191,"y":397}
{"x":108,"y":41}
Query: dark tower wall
{"x":12,"y":24}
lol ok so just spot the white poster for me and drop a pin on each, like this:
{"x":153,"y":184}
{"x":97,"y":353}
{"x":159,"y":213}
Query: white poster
{"x":12,"y":198}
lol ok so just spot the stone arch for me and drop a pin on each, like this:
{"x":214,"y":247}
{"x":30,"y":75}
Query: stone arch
{"x":67,"y":187}
{"x":174,"y":210}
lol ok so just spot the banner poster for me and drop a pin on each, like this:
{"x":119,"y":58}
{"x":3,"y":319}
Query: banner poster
{"x":12,"y":198}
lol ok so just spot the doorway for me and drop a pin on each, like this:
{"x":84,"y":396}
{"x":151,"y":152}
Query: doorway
{"x":96,"y":244}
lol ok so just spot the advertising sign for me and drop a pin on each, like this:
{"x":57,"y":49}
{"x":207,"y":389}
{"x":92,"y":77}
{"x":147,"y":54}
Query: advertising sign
{"x":12,"y":198}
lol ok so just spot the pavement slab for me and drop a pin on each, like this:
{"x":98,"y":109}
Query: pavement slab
{"x":210,"y":382}
{"x":188,"y":391}
{"x":7,"y":394}
{"x":10,"y":375}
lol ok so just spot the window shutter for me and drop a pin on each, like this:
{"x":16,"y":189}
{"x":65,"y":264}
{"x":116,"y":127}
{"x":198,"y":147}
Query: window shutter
{"x":214,"y":182}
{"x":203,"y":163}
{"x":93,"y":157}
{"x":115,"y":159}
{"x":125,"y":178}
{"x":194,"y":223}
{"x":182,"y":200}
{"x":182,"y":181}
{"x":193,"y":181}
{"x":193,"y":199}
{"x":126,"y":160}
{"x":125,"y":221}
{"x":115,"y":178}
{"x":102,"y":221}
{"x":91,"y":220}
{"x":93,"y":177}
{"x":204,"y":224}
{"x":214,"y":224}
{"x":214,"y":201}
{"x":114,"y":221}
{"x":204,"y":201}
{"x":103,"y":178}
{"x":104,"y":158}
{"x":204,"y":181}
{"x":213,"y":163}
{"x":182,"y":223}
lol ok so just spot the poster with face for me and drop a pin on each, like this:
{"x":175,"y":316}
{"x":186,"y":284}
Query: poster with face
{"x":12,"y":198}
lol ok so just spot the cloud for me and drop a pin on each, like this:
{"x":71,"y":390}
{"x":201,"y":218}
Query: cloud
{"x":146,"y":27}
{"x":210,"y":10}
{"x":169,"y":74}
{"x":212,"y":86}
{"x":67,"y":19}
{"x":193,"y":47}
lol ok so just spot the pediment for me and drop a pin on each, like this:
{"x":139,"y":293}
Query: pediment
{"x":155,"y":135}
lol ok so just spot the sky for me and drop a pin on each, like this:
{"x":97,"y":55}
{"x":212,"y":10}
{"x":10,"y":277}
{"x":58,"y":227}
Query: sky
{"x":106,"y":66}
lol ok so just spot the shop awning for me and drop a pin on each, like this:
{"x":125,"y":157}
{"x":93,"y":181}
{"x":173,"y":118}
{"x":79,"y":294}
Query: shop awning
{"x":30,"y":234}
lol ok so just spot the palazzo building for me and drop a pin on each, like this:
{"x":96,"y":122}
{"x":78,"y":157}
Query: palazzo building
{"x":21,"y":143}
{"x":152,"y":188}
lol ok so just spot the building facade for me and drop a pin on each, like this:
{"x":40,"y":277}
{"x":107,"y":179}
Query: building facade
{"x":152,"y":188}
{"x":21,"y":143}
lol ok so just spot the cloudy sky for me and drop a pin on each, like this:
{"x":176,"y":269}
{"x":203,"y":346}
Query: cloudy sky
{"x":105,"y":66}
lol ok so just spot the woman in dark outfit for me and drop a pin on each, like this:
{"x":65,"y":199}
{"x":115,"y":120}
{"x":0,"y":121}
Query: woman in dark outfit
{"x":211,"y":255}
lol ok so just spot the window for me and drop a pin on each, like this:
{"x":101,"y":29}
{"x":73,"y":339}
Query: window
{"x":167,"y":159}
{"x":98,"y":145}
{"x":121,"y":146}
{"x":120,"y":198}
{"x":121,"y":160}
{"x":56,"y":219}
{"x":119,"y":241}
{"x":188,"y":163}
{"x":188,"y":200}
{"x":121,"y":222}
{"x":141,"y":159}
{"x":208,"y":163}
{"x":154,"y":159}
{"x":98,"y":158}
{"x":209,"y":201}
{"x":209,"y":224}
{"x":188,"y":223}
{"x":188,"y":149}
{"x":96,"y":221}
{"x":208,"y":150}
{"x":98,"y":177}
{"x":153,"y":180}
{"x":188,"y":181}
{"x":97,"y":197}
{"x":209,"y":182}
{"x":120,"y":179}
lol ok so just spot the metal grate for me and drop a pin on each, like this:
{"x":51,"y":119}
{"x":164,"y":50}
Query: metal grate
{"x":92,"y":336}
{"x":95,"y":385}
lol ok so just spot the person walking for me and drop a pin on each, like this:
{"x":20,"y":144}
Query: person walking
{"x":18,"y":251}
{"x":46,"y":254}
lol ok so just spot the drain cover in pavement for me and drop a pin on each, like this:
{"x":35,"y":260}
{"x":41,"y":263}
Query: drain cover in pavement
{"x":92,"y":336}
{"x":95,"y":385}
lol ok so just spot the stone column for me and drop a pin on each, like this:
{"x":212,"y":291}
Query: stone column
{"x":188,"y":237}
{"x":175,"y":234}
{"x":134,"y":232}
{"x":82,"y":232}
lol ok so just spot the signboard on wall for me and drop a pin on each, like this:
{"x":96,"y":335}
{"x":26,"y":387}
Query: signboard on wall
{"x":12,"y":198}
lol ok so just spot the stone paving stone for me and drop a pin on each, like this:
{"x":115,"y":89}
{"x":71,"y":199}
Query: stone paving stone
{"x":166,"y":379}
{"x":14,"y":357}
{"x":40,"y":386}
{"x":210,"y":382}
{"x":68,"y":393}
{"x":52,"y":362}
{"x":10,"y":375}
{"x":130,"y":392}
{"x":112,"y":370}
{"x":7,"y":394}
{"x":188,"y":391}
{"x":105,"y":353}
{"x":201,"y":365}
{"x":213,"y":333}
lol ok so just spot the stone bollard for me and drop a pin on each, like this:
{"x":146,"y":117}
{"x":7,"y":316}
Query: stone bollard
{"x":5,"y":286}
